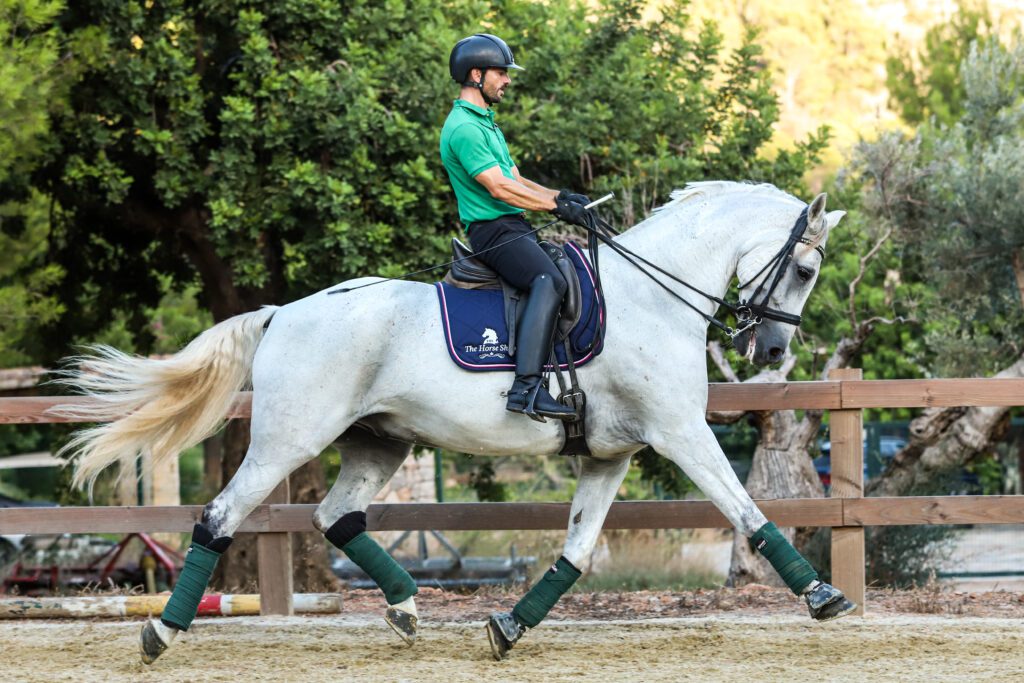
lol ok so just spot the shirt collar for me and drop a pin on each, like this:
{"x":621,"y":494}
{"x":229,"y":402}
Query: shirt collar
{"x":479,"y":111}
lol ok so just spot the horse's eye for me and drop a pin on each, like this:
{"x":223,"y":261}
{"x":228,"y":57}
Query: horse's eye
{"x":804,"y":274}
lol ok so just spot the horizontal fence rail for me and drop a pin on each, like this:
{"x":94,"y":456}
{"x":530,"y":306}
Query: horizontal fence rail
{"x":846,"y":512}
{"x":667,"y":514}
{"x":824,"y":395}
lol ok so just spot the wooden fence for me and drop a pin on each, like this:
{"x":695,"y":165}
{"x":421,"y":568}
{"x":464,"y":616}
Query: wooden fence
{"x":846,"y":511}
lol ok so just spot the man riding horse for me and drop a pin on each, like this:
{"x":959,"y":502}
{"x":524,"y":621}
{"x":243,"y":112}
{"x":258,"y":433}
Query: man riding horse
{"x":492,"y":197}
{"x":308,"y":394}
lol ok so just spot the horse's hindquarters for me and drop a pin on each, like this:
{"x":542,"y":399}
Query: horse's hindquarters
{"x":377,"y":357}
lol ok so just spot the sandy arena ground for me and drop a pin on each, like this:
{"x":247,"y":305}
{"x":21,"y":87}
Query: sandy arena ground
{"x":746,"y":635}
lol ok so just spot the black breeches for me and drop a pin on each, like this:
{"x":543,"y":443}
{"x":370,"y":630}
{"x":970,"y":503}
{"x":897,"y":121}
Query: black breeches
{"x":518,"y":261}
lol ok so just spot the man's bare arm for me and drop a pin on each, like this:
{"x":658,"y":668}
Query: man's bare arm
{"x":515,"y":192}
{"x":536,"y":187}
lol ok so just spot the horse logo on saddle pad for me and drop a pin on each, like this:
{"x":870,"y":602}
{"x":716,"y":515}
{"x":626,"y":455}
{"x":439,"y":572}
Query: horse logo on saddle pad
{"x":472,"y":298}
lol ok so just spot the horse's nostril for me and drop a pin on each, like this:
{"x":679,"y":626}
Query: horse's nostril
{"x":775,"y":354}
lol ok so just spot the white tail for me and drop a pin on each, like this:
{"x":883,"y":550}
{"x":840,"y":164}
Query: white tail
{"x":160,"y":406}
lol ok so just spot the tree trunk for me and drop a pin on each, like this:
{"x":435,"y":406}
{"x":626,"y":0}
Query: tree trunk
{"x":213,"y":465}
{"x":312,"y":570}
{"x":942,"y":440}
{"x":781,"y":469}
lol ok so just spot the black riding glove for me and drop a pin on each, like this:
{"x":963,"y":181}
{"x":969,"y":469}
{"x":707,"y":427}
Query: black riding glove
{"x":572,"y":213}
{"x":573,"y":197}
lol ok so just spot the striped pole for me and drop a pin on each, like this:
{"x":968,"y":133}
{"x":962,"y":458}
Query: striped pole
{"x":153,"y":605}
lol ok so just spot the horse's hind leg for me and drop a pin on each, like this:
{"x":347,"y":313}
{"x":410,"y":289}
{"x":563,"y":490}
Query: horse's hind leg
{"x":598,"y":482}
{"x":367,"y":463}
{"x":267,"y":463}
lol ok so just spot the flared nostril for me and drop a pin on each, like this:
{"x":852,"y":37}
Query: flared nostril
{"x":775,"y":354}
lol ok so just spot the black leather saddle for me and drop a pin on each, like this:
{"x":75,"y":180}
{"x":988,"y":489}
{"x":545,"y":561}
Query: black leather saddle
{"x":468,"y":272}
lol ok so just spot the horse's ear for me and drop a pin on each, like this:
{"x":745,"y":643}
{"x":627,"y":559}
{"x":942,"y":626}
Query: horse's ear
{"x":832,"y":218}
{"x":816,"y":214}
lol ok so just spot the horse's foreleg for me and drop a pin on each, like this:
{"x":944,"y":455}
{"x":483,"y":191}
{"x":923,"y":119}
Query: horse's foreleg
{"x":697,"y":452}
{"x":266,"y":464}
{"x":598,"y":482}
{"x":367,"y":463}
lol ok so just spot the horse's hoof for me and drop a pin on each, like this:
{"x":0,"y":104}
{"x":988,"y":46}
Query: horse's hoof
{"x":150,"y":644}
{"x":826,"y":603}
{"x":503,"y":632}
{"x":403,"y":623}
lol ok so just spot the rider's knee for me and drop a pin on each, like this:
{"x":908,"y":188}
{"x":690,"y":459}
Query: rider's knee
{"x":546,"y":280}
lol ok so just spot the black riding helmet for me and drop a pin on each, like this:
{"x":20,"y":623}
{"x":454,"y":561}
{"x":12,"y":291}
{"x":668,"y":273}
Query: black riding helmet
{"x":481,"y":51}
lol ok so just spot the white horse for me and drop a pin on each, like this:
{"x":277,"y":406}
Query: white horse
{"x":369,"y":369}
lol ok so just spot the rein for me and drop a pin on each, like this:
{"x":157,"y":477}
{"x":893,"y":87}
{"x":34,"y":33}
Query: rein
{"x":748,"y":313}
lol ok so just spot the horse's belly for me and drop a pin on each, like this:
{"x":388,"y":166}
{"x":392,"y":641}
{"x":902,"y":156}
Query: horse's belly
{"x":467,"y":427}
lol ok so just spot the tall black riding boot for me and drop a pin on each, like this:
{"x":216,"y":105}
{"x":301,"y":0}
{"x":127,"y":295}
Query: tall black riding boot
{"x":533,"y":347}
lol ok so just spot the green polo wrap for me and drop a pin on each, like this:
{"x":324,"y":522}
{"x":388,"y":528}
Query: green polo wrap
{"x":381,"y":567}
{"x":536,"y":604}
{"x":791,"y":566}
{"x":188,"y":591}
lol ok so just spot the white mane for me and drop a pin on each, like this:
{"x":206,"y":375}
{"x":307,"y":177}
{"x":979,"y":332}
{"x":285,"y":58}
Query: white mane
{"x":709,"y":188}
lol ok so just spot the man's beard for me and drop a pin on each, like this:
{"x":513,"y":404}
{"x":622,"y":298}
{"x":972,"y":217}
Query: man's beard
{"x":495,"y":97}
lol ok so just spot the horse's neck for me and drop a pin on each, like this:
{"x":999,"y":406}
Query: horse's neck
{"x":704,"y":256}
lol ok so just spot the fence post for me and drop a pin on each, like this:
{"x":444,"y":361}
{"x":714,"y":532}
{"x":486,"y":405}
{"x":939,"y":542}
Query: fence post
{"x":274,"y":556}
{"x":846,"y":434}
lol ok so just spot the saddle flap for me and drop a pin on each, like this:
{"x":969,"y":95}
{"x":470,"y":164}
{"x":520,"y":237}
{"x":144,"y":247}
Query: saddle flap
{"x":480,"y":337}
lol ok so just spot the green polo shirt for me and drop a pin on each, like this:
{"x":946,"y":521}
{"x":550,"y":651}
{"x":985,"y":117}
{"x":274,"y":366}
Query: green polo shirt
{"x":471,"y":143}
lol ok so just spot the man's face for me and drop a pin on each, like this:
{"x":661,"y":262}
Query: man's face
{"x":495,"y":83}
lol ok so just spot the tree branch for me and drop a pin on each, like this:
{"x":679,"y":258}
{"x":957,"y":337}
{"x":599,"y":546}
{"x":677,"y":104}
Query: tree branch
{"x":863,"y":268}
{"x":879,"y":320}
{"x":717,"y":354}
{"x":788,"y":363}
{"x":847,"y":348}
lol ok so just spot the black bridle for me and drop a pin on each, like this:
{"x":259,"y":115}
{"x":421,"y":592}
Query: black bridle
{"x":748,"y":312}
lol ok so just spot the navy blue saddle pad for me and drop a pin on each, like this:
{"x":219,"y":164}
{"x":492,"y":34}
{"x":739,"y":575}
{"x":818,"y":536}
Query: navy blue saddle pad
{"x":475,"y":331}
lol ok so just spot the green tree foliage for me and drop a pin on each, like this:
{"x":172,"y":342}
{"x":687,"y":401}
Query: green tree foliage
{"x":487,"y":487}
{"x":271,"y":150}
{"x":862,"y":254}
{"x":930,"y":84}
{"x":29,"y":87}
{"x":30,"y":52}
{"x":26,"y":306}
{"x":955,"y":194}
{"x":613,"y":101}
